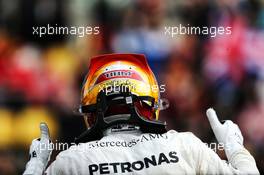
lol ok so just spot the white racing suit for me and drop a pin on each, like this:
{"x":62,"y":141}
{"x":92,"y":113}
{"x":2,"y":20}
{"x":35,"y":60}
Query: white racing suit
{"x":131,"y":152}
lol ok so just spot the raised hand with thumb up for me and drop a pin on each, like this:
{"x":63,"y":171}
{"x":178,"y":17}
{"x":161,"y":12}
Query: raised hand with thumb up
{"x":40,"y":151}
{"x":227,"y":133}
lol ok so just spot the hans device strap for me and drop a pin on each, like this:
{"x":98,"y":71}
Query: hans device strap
{"x":134,"y":118}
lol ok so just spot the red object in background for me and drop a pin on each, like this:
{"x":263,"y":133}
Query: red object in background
{"x":235,"y":54}
{"x":34,"y":83}
{"x":225,"y":56}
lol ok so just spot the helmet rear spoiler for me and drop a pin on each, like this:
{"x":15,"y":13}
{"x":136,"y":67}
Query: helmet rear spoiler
{"x":99,"y":61}
{"x":138,"y":59}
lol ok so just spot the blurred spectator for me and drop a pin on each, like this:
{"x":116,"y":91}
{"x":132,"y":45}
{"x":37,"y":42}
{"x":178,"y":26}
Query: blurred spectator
{"x":142,"y":31}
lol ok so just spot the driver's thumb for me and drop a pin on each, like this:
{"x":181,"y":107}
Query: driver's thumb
{"x":213,"y":119}
{"x":44,"y":130}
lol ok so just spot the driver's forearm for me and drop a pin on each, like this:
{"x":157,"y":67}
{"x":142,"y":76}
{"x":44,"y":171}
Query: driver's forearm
{"x":34,"y":167}
{"x":244,"y":162}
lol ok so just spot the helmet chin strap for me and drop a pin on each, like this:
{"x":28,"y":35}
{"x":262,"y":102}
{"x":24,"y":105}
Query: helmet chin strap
{"x":102,"y":123}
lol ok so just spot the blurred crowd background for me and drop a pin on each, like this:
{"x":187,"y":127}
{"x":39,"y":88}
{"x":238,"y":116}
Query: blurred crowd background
{"x":40,"y":78}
